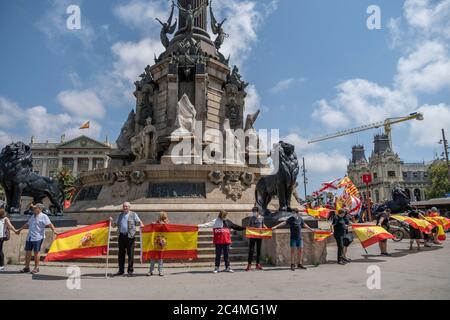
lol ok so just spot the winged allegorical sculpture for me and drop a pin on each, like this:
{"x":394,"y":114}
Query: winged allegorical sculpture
{"x":167,"y":28}
{"x":217,"y":29}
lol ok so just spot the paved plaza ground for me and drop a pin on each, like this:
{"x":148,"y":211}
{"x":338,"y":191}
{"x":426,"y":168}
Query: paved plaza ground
{"x":405,"y":275}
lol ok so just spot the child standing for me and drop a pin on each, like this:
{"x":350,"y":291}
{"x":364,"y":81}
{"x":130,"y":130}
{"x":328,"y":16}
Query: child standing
{"x":162,"y":219}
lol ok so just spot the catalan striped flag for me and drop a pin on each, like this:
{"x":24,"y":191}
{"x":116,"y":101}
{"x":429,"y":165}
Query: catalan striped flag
{"x":318,"y":212}
{"x":169,"y":241}
{"x":370,"y":234}
{"x":349,"y":187}
{"x":321,"y":235}
{"x":420,"y":224}
{"x":258,"y":233}
{"x":90,"y":241}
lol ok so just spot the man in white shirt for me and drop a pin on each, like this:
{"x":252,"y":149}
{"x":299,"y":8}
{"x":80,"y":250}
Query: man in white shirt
{"x":36,"y":235}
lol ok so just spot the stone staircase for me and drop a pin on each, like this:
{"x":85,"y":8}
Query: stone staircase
{"x":206,"y":253}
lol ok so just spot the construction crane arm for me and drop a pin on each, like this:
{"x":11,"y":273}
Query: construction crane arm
{"x":386,"y":124}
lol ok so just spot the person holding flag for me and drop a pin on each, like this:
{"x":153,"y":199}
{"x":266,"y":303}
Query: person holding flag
{"x":222,"y":238}
{"x":296,"y":223}
{"x":36,"y":235}
{"x":256,"y":221}
{"x":126,"y":224}
{"x":339,"y":227}
{"x":383,"y":221}
{"x":162,"y":219}
{"x":414,"y":233}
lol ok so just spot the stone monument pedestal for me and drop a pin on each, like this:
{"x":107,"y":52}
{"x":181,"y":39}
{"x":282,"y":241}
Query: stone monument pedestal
{"x":278,"y":252}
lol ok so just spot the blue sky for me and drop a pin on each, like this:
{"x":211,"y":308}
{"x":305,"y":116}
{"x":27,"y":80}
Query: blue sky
{"x":313,"y":65}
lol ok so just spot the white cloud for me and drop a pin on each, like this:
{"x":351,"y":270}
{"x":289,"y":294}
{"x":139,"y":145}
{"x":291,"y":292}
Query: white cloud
{"x":428,"y":132}
{"x":140,"y":14}
{"x":286,"y":84}
{"x":300,"y":143}
{"x":82,"y":104}
{"x":37,"y":121}
{"x":326,"y":162}
{"x":333,"y":118}
{"x":426,"y":69}
{"x":252,"y":100}
{"x":9,"y":112}
{"x":429,"y":17}
{"x":133,"y":57}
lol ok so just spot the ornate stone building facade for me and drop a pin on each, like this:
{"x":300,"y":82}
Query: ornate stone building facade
{"x":79,"y":155}
{"x":387,"y":170}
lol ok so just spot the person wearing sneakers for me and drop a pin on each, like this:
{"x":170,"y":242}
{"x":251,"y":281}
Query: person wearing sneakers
{"x":162,"y":219}
{"x":222,"y":238}
{"x":256,"y":221}
{"x":5,"y":228}
{"x":296,"y":224}
{"x":36,"y":235}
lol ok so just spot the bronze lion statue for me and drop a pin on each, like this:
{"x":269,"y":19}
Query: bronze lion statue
{"x":18,"y":179}
{"x":280,"y":184}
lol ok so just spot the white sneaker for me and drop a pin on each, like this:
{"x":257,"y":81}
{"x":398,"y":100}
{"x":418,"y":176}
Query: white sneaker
{"x":216,"y":270}
{"x":229,"y":270}
{"x":2,"y":269}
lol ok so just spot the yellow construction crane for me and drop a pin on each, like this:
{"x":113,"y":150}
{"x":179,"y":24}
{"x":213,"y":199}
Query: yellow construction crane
{"x":386,"y":124}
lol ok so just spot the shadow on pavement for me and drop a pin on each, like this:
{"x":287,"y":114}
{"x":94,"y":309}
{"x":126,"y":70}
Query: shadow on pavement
{"x":367,"y":259}
{"x":46,"y":277}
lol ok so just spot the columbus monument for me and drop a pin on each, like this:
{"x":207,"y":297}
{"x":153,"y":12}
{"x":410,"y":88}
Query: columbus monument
{"x":180,"y":150}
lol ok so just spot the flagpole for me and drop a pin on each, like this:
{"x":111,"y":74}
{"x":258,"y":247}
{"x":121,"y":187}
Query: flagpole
{"x":140,"y":240}
{"x":107,"y":253}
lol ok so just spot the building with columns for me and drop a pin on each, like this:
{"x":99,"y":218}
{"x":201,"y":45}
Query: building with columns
{"x":78,"y":155}
{"x":387,"y":170}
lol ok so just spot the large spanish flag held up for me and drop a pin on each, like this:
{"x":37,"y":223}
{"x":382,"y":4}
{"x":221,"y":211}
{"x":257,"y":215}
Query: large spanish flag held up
{"x":258,"y":233}
{"x":370,"y":234}
{"x":90,"y":241}
{"x":169,"y":241}
{"x":321,"y":235}
{"x":420,"y":224}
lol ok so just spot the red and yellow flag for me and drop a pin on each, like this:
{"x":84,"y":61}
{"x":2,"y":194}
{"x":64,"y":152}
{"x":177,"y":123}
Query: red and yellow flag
{"x":85,"y":125}
{"x":258,"y":233}
{"x":169,"y":241}
{"x":370,"y":234}
{"x":319,"y":212}
{"x":420,"y":224}
{"x":442,"y":224}
{"x":321,"y":235}
{"x":90,"y":241}
{"x":349,"y":187}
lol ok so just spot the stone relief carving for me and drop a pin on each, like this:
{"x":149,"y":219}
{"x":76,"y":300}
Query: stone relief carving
{"x":216,"y":177}
{"x":137,"y":177}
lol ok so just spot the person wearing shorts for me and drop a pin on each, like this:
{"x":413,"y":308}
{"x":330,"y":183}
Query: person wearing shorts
{"x":414,"y":234}
{"x":36,"y":235}
{"x":296,"y":224}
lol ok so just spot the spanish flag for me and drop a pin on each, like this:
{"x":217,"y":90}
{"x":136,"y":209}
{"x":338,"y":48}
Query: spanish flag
{"x":442,"y":224}
{"x":321,"y":235}
{"x":85,"y":125}
{"x":257,"y":233}
{"x":370,"y":234}
{"x":319,"y":212}
{"x":420,"y":224}
{"x":169,"y":241}
{"x":90,"y":241}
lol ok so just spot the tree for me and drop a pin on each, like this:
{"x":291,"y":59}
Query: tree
{"x":440,"y":185}
{"x":69,"y":182}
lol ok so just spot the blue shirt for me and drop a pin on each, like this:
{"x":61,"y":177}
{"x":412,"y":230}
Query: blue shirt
{"x":36,"y":225}
{"x":296,"y":224}
{"x":123,"y":223}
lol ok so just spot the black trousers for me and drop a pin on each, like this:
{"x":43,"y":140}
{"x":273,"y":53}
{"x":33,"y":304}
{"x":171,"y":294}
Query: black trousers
{"x":225,"y":248}
{"x":340,"y":244}
{"x":126,"y":246}
{"x":251,"y":250}
{"x":2,"y":256}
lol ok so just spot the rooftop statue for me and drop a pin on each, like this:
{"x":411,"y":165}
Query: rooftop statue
{"x":217,"y":29}
{"x":190,"y":14}
{"x":167,"y":28}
